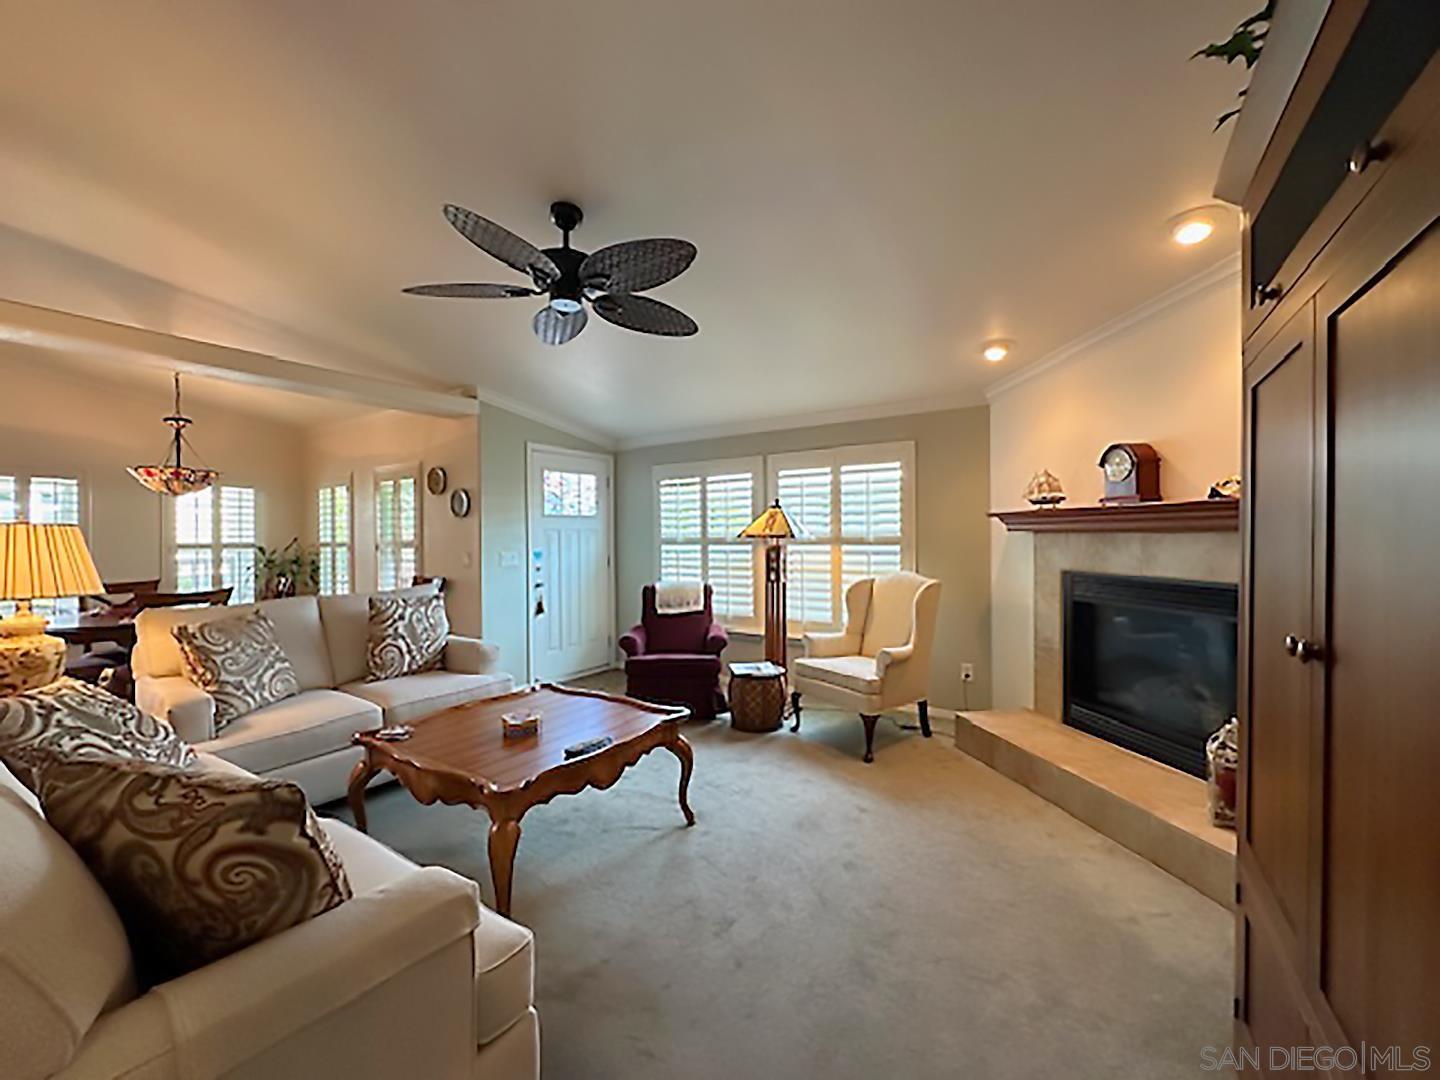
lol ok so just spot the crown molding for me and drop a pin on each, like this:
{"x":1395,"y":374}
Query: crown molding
{"x":1224,"y":271}
{"x":792,"y":421}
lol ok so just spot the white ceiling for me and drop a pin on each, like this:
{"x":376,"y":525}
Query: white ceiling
{"x":875,"y":187}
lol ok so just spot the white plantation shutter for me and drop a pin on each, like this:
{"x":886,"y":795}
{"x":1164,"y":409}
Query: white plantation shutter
{"x":194,"y":523}
{"x":333,"y":517}
{"x":730,"y":572}
{"x":397,"y":527}
{"x":680,"y":509}
{"x":681,"y":562}
{"x":700,"y":510}
{"x":214,"y":536}
{"x":730,"y":564}
{"x":237,"y":542}
{"x":195,"y":517}
{"x":857,"y":503}
{"x":871,"y":520}
{"x":681,"y":553}
{"x":807,"y":497}
{"x":54,"y":500}
{"x":870,"y":501}
{"x":809,"y":585}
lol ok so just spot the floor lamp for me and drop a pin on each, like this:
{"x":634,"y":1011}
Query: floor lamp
{"x":774,"y":526}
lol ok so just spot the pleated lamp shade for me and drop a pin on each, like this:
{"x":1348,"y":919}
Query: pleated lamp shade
{"x":44,"y":561}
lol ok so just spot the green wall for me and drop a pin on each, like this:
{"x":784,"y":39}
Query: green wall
{"x":504,"y":600}
{"x":952,"y":543}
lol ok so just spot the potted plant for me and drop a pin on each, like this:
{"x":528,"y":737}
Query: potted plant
{"x":285,"y":571}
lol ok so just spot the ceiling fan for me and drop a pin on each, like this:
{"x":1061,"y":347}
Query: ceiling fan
{"x":609,"y":278}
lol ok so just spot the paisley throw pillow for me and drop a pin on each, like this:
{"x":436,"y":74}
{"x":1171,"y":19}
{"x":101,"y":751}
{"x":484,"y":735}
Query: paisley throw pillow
{"x":198,"y":864}
{"x":407,"y":635}
{"x":237,"y":661}
{"x":70,"y":718}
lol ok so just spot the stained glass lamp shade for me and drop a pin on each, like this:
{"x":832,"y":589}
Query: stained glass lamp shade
{"x":172,"y":476}
{"x":772,"y":524}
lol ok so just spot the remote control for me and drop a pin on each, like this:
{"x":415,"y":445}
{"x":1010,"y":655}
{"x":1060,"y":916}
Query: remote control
{"x":589,"y":746}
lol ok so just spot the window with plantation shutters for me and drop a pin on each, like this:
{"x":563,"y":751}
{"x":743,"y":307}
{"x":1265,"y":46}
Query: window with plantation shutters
{"x":44,"y":500}
{"x":700,"y":510}
{"x":857,"y":505}
{"x":333,"y":538}
{"x":397,"y":527}
{"x":730,"y":563}
{"x":214,"y":533}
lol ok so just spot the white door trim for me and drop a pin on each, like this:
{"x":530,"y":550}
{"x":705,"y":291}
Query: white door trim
{"x":608,"y":460}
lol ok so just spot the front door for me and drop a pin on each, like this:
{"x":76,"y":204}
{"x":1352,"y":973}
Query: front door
{"x":572,"y":598}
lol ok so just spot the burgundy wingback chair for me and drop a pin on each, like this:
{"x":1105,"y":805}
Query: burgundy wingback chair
{"x":675,"y":659}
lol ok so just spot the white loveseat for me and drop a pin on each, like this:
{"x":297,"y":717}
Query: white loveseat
{"x":306,"y":738}
{"x":412,"y":977}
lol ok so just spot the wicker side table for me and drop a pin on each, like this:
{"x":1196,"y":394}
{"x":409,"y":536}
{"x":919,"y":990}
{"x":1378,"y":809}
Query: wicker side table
{"x":757,"y":697}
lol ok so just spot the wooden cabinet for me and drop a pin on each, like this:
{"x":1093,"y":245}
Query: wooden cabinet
{"x":1338,"y":898}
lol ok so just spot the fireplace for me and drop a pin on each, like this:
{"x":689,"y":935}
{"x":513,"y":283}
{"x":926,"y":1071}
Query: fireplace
{"x":1149,"y":663}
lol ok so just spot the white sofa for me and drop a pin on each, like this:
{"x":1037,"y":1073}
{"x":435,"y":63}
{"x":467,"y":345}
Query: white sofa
{"x":306,"y":738}
{"x":413,"y":977}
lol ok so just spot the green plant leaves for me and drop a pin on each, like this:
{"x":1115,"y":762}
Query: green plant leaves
{"x":1244,"y":43}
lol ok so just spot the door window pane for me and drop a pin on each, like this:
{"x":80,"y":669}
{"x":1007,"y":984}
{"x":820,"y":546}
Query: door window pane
{"x":570,"y":494}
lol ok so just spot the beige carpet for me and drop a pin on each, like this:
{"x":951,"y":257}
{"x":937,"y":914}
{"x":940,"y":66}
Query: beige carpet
{"x":919,"y":917}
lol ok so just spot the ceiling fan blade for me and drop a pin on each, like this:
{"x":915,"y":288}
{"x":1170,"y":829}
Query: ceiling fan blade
{"x":504,"y":245}
{"x":556,"y":328}
{"x":472,"y":291}
{"x":645,"y":315}
{"x":636,"y":265}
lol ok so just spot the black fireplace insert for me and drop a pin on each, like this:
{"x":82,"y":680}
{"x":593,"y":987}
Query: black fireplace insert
{"x":1150,"y":662}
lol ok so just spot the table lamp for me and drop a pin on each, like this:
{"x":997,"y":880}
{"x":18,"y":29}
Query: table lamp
{"x":774,"y":526}
{"x":38,"y":562}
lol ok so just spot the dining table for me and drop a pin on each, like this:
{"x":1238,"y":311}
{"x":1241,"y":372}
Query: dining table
{"x":93,"y":627}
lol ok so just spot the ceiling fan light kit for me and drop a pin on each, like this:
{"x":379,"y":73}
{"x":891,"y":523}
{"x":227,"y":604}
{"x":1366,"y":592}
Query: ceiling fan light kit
{"x":608,"y":279}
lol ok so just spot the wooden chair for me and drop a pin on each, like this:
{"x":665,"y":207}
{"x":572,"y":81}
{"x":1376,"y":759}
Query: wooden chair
{"x":205,"y":598}
{"x":119,"y":594}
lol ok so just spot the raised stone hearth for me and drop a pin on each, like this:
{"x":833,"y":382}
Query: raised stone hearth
{"x":1157,"y":812}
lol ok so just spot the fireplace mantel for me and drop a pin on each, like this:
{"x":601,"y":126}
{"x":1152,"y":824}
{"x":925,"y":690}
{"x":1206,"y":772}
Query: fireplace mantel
{"x":1195,"y":515}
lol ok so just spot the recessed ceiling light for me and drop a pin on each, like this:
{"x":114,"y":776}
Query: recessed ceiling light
{"x":996,"y":350}
{"x":1192,"y":232}
{"x":1195,"y":226}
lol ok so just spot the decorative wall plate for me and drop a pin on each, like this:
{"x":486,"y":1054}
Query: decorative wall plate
{"x":460,"y":502}
{"x":436,"y":481}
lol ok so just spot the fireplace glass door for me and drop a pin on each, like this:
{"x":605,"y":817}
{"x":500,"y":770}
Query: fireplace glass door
{"x":1150,"y":663}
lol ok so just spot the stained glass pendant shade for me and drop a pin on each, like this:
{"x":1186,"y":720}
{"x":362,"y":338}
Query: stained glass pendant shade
{"x":173,"y":476}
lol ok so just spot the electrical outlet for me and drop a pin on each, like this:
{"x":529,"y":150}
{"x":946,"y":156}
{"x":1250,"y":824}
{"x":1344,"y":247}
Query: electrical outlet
{"x":967,"y":672}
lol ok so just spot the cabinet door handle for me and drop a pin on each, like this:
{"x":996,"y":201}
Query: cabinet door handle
{"x":1263,"y":294}
{"x":1363,"y":155}
{"x":1301,"y":648}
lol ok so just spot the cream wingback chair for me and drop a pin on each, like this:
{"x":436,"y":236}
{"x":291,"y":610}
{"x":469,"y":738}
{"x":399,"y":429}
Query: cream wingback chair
{"x":881,"y":660}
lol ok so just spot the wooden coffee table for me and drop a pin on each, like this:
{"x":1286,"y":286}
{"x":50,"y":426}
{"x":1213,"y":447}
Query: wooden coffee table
{"x":459,"y":756}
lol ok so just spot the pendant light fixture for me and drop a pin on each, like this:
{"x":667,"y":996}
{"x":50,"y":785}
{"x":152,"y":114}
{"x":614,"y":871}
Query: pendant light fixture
{"x":173,"y":476}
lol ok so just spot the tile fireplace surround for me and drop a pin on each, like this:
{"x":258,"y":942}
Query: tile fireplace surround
{"x":1198,"y":556}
